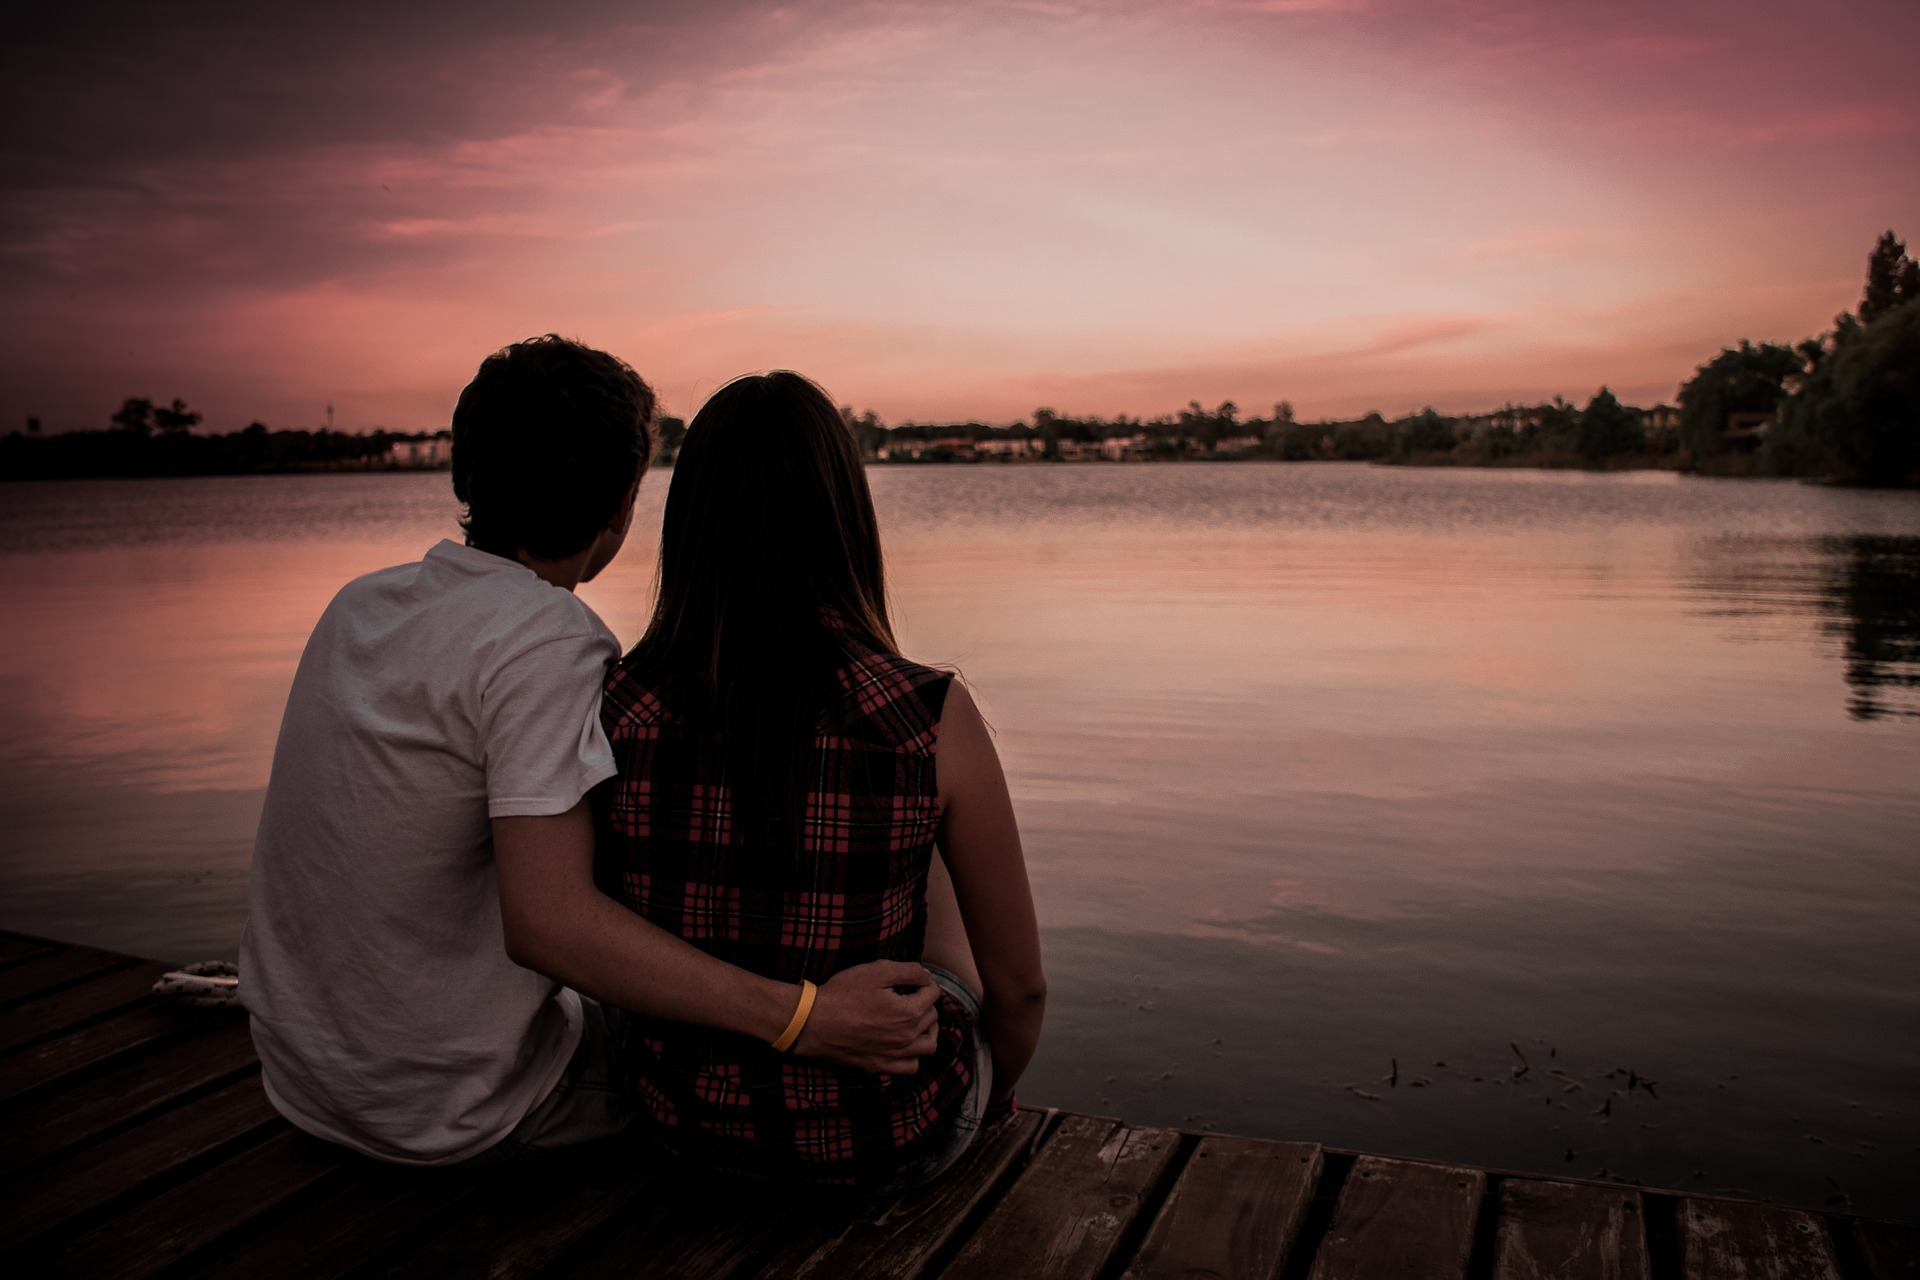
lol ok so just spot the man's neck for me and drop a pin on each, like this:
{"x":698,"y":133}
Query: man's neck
{"x":565,"y":574}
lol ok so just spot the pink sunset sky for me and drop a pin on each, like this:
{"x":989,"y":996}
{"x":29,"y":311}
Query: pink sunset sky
{"x":939,"y":210}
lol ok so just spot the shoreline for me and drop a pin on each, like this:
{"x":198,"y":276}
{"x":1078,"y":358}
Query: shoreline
{"x":1668,"y":465}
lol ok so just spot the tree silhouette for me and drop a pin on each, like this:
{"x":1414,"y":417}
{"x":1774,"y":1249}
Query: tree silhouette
{"x":1861,"y":403}
{"x":1607,"y":428}
{"x":140,"y":416}
{"x":1205,"y":428}
{"x":1856,"y":413}
{"x":175,"y":417}
{"x":1892,"y":278}
{"x":135,"y":415}
{"x":1742,"y":379}
{"x":1047,"y":423}
{"x":1424,"y":432}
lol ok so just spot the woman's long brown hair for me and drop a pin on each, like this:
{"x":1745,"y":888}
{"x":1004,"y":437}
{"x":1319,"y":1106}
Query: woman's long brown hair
{"x":769,"y":562}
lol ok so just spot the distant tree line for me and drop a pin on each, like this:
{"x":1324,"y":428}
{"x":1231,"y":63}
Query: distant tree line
{"x":1604,"y":433}
{"x":149,"y":439}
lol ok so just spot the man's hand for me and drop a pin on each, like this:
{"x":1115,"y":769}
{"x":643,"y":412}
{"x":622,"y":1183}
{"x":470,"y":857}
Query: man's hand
{"x":860,"y":1021}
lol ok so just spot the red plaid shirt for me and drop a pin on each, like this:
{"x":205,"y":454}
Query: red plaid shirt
{"x":855,"y":890}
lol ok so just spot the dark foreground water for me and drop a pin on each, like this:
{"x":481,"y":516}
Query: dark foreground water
{"x":1553,"y":822}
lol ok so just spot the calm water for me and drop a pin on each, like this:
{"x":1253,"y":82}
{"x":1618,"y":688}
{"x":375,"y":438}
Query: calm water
{"x":1323,"y":769}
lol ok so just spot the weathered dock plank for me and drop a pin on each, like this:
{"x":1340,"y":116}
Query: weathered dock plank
{"x":108,"y":993}
{"x":73,"y":1115}
{"x":695,"y":1230}
{"x":1067,"y":1214}
{"x":1888,"y":1250}
{"x":903,"y":1239}
{"x":1732,"y":1240}
{"x":350,"y":1224}
{"x":1569,"y":1231}
{"x":1401,"y":1218}
{"x":44,"y":1067}
{"x":83,"y":1181}
{"x":15,"y":947}
{"x":44,"y":974}
{"x":1233,"y":1214}
{"x":195,"y":1215}
{"x":526,"y":1217}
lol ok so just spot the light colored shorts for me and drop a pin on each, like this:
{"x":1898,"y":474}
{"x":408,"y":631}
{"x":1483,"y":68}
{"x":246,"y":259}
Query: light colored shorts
{"x":588,"y":1104}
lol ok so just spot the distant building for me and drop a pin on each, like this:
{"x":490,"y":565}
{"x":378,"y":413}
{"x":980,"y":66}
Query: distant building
{"x":1746,"y":428}
{"x":939,"y":448}
{"x":434,"y":451}
{"x":1007,"y":447}
{"x":1662,"y":417}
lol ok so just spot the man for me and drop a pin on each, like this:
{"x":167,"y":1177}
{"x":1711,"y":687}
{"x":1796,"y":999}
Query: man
{"x":425,"y":950}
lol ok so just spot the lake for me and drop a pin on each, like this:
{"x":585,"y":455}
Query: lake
{"x":1550,"y":821}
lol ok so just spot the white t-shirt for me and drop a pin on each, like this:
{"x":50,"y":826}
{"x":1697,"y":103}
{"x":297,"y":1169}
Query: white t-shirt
{"x":431,"y":697}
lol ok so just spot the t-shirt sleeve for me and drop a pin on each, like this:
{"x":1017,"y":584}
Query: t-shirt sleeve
{"x":544,"y":745}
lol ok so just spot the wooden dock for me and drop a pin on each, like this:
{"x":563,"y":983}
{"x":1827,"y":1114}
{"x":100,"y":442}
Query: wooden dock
{"x":135,"y":1141}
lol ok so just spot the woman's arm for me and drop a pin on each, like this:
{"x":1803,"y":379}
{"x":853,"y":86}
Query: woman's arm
{"x":980,"y":843}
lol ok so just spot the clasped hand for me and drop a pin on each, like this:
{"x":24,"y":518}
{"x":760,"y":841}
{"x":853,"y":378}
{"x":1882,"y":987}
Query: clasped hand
{"x":876,"y":1017}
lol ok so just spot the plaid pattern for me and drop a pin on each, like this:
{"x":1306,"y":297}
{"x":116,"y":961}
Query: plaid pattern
{"x":855,"y":890}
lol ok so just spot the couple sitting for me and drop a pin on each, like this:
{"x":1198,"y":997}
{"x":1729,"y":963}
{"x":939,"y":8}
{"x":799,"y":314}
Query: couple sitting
{"x":513,"y":891}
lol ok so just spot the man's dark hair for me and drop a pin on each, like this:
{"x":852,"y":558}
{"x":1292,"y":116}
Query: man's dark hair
{"x":548,"y":439}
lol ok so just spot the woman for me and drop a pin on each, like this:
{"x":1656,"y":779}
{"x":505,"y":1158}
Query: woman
{"x":785,"y":779}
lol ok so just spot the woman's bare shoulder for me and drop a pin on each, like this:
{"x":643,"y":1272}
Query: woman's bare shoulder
{"x":964,"y":753}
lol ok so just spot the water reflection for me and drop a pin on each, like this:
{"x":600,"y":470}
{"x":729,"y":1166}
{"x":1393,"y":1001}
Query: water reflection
{"x":1862,"y":589}
{"x":1873,"y":595}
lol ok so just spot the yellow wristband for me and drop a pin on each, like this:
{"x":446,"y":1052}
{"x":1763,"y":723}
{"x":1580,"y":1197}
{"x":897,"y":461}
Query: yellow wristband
{"x":801,"y":1013}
